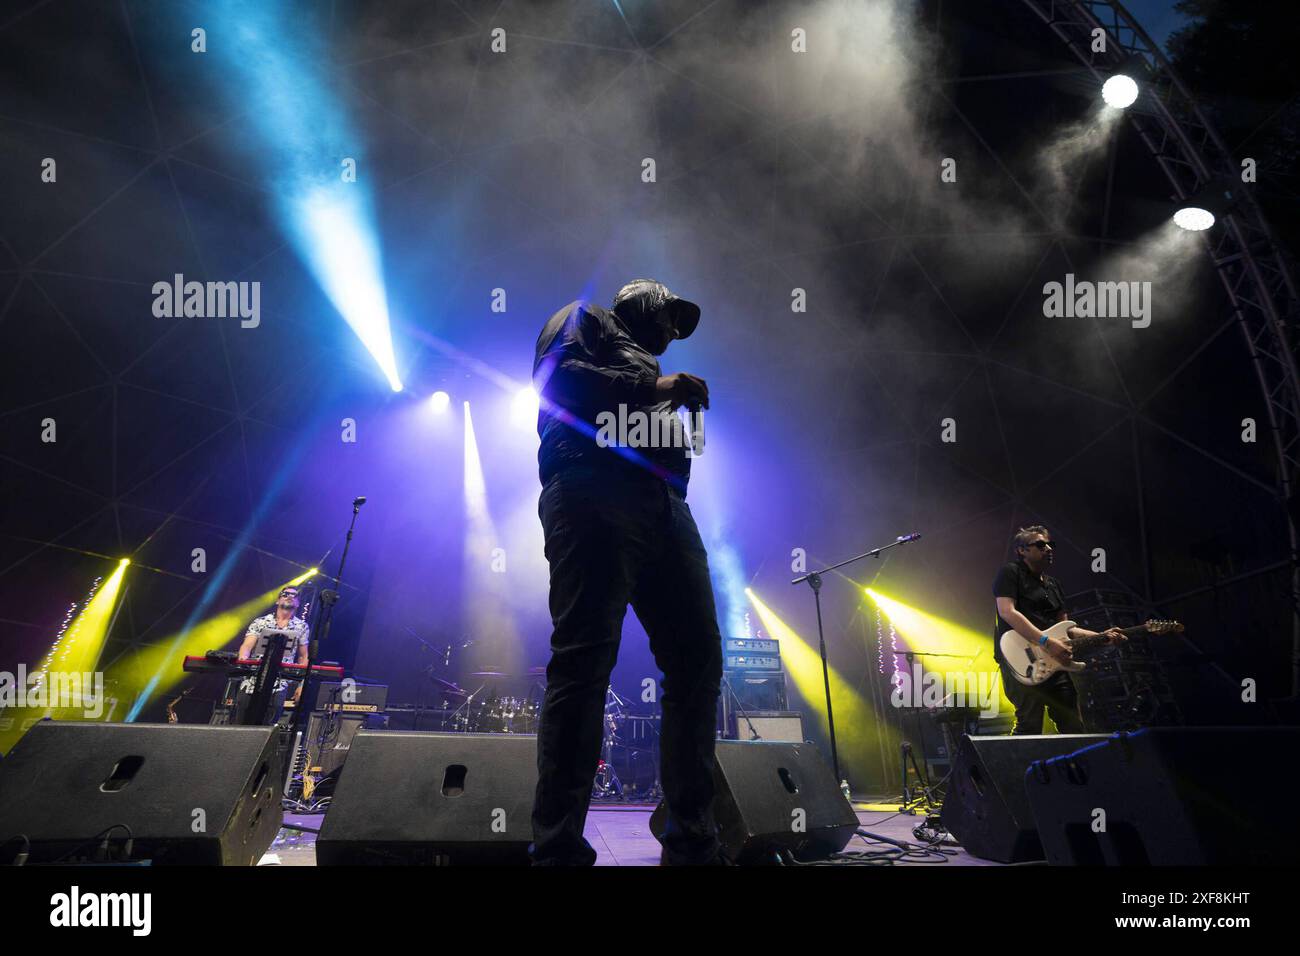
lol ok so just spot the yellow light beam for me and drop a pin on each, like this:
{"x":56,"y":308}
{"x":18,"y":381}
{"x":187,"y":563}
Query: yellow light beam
{"x":79,"y":647}
{"x":929,"y":636}
{"x":927,"y":633}
{"x":855,"y":722}
{"x":60,"y":680}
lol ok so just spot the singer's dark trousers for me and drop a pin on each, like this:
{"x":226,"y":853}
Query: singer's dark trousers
{"x":613,"y":539}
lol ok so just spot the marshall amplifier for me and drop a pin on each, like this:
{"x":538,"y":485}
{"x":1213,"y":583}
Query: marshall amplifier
{"x":754,"y":662}
{"x":750,"y":692}
{"x":784,"y":725}
{"x":752,"y":645}
{"x":348,"y":698}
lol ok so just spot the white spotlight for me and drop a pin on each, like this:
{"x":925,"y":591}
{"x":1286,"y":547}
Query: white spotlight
{"x":1194,"y":219}
{"x":523,"y":409}
{"x":1120,"y":91}
{"x":440,"y":401}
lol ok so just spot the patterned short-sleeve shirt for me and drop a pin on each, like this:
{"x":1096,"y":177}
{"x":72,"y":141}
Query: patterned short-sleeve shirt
{"x":265,"y":625}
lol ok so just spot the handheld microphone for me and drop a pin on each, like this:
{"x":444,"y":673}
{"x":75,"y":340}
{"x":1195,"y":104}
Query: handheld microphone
{"x":914,"y":536}
{"x":695,"y":416}
{"x":359,"y":501}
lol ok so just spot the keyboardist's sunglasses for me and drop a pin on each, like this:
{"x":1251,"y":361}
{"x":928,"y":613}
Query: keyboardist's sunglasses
{"x":289,"y":592}
{"x":1042,"y":545}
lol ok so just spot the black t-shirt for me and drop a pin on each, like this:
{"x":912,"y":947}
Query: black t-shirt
{"x":1038,"y":598}
{"x":586,"y":363}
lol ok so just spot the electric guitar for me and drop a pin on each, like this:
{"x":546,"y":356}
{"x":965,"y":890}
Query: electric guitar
{"x":1032,"y":665}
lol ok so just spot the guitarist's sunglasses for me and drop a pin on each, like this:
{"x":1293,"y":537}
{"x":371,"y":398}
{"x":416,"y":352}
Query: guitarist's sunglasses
{"x":1041,"y":545}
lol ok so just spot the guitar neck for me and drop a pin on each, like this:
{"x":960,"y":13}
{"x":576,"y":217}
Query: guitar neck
{"x":1083,"y":643}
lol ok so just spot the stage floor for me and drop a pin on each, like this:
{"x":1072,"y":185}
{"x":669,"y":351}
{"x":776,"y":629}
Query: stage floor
{"x":621,"y":835}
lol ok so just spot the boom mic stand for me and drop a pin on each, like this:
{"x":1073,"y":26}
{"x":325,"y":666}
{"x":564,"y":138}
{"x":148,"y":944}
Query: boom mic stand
{"x":324,"y":616}
{"x":814,"y":579}
{"x":735,"y":699}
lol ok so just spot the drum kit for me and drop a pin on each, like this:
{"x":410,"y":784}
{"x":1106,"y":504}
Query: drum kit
{"x":492,"y":708}
{"x":511,"y":703}
{"x":499,"y":704}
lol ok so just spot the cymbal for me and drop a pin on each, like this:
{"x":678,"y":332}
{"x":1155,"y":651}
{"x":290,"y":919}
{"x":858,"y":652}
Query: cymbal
{"x":488,"y":674}
{"x":447,"y":687}
{"x":539,"y":671}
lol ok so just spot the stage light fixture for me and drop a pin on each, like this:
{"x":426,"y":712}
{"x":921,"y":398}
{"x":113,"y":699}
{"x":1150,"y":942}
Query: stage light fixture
{"x":1124,"y":84}
{"x":1120,"y":91}
{"x":1193,"y":219}
{"x":523,"y":409}
{"x":1205,"y":206}
{"x":440,"y":400}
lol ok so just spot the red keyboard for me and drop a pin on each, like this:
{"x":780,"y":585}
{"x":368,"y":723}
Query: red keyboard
{"x":240,"y":667}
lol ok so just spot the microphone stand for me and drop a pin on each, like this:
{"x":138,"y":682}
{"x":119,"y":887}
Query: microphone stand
{"x":735,"y":699}
{"x":814,"y":580}
{"x":324,"y":616}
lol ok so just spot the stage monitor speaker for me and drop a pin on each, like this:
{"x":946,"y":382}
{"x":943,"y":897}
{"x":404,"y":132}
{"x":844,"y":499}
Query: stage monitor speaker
{"x":985,"y":807}
{"x":772,"y":796}
{"x":408,"y":797}
{"x":183,"y":793}
{"x":1171,"y":796}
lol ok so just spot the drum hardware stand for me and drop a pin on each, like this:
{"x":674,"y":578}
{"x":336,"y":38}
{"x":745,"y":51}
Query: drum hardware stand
{"x":324,"y":616}
{"x":814,"y":581}
{"x":468,"y":708}
{"x":606,"y":782}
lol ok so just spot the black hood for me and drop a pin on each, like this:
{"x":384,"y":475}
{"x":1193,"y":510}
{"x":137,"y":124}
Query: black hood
{"x":640,"y":299}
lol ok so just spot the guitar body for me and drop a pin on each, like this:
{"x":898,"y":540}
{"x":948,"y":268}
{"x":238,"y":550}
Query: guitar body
{"x":1029,"y":662}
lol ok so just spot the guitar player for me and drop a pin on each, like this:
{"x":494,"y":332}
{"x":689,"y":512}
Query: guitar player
{"x":1029,"y":601}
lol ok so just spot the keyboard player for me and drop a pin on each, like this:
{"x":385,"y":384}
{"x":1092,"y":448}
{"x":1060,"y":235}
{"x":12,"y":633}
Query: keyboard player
{"x":282,"y":620}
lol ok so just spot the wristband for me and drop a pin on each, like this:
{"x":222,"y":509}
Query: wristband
{"x":1042,"y":641}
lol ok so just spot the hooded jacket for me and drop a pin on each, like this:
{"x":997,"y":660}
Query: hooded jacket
{"x":587,"y":362}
